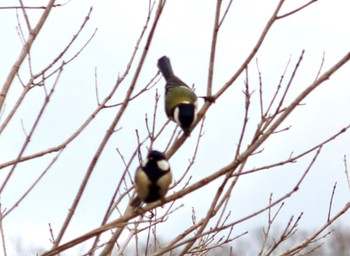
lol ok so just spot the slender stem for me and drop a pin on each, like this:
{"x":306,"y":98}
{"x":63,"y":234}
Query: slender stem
{"x":109,"y":132}
{"x":25,"y":51}
{"x":213,"y":48}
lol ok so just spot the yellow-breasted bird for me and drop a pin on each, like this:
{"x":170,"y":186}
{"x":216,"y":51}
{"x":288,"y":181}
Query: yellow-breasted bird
{"x":152,"y":179}
{"x":180,"y":101}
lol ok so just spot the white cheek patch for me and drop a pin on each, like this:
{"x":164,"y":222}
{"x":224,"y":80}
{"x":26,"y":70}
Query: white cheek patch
{"x":195,"y":111}
{"x":176,"y":115}
{"x":196,"y":105}
{"x":144,"y":163}
{"x":163,"y":165}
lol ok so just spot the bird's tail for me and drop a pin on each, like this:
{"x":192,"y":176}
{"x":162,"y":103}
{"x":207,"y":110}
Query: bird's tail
{"x":164,"y":66}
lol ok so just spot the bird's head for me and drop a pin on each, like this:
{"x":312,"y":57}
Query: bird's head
{"x":158,"y":158}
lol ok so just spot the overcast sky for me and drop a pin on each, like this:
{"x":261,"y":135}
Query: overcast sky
{"x":183,"y":34}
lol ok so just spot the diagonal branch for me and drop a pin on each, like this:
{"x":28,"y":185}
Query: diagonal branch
{"x":25,"y":51}
{"x":110,"y":130}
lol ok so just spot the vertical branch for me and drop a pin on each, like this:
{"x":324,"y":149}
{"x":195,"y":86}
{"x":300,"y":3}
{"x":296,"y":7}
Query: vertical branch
{"x":245,"y":119}
{"x":177,"y":144}
{"x":331,"y":202}
{"x":290,"y":82}
{"x":277,"y":89}
{"x":2,"y":233}
{"x":260,"y":91}
{"x":25,"y":15}
{"x":213,"y":47}
{"x":253,"y":52}
{"x":346,"y":171}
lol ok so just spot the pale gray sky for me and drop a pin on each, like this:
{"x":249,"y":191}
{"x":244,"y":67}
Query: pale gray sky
{"x":184,"y":34}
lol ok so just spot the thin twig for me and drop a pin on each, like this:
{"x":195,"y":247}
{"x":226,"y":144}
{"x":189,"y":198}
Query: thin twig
{"x":213,"y":47}
{"x":109,"y":133}
{"x":31,"y":7}
{"x":278,"y":88}
{"x":225,"y":13}
{"x":25,"y":15}
{"x":260,"y":91}
{"x":43,"y":72}
{"x":24,"y":52}
{"x":31,"y":187}
{"x":251,"y":149}
{"x":346,"y":171}
{"x":331,"y":202}
{"x":311,"y":238}
{"x":206,"y":106}
{"x":321,"y":66}
{"x":296,"y":10}
{"x":2,"y":232}
{"x":245,"y":119}
{"x":29,"y":136}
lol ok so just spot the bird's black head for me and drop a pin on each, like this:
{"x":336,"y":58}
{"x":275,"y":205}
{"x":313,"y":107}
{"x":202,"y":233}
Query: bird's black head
{"x":156,"y":155}
{"x":185,"y":115}
{"x":156,"y":165}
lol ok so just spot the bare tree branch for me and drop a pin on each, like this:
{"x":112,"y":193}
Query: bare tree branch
{"x":25,"y":50}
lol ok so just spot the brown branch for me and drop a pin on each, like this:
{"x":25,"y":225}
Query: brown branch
{"x":52,"y":237}
{"x":270,"y":221}
{"x":288,"y":232}
{"x":2,"y":233}
{"x":85,"y":123}
{"x":149,"y":86}
{"x":42,"y":73}
{"x":31,"y":187}
{"x":110,"y":130}
{"x":278,"y":109}
{"x":245,"y":119}
{"x":277,"y":89}
{"x":68,"y":46}
{"x":112,"y":203}
{"x":31,"y":7}
{"x":29,"y":136}
{"x":251,"y":149}
{"x":261,"y":101}
{"x":346,"y":171}
{"x":213,"y":47}
{"x":25,"y":15}
{"x":206,"y":106}
{"x":225,"y":13}
{"x":272,"y":204}
{"x":295,"y":158}
{"x":311,"y":238}
{"x":331,"y":202}
{"x":253,"y":52}
{"x":321,"y":65}
{"x":24,"y":52}
{"x":296,"y":10}
{"x":149,"y":207}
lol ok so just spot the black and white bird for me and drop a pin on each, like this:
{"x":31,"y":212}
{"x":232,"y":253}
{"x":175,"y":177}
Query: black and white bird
{"x":152,"y":179}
